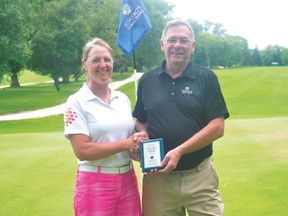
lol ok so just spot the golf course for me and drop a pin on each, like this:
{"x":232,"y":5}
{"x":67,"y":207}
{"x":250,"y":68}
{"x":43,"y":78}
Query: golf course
{"x":38,"y":165}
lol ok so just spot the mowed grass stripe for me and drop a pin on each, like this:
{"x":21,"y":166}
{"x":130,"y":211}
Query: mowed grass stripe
{"x":252,"y":163}
{"x":38,"y":172}
{"x":255,"y":92}
{"x":38,"y":165}
{"x":250,"y":159}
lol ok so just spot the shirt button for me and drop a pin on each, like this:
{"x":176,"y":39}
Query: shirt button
{"x":172,"y":93}
{"x":173,"y":83}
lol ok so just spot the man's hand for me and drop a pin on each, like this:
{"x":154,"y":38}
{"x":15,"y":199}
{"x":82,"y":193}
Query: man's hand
{"x":170,"y":161}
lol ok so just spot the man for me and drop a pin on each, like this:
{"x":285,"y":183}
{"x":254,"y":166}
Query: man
{"x":182,"y":103}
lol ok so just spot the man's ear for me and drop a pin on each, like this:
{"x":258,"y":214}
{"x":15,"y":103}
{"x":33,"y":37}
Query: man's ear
{"x":193,"y":46}
{"x":161,"y":45}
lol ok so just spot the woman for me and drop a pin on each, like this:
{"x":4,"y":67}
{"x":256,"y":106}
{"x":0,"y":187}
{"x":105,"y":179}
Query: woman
{"x":99,"y":125}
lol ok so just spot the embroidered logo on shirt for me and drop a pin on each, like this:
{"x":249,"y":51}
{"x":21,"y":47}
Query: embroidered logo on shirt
{"x":187,"y":90}
{"x":70,"y":116}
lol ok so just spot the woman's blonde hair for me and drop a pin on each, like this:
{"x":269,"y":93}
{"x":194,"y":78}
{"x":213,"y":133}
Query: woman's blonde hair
{"x":91,"y":44}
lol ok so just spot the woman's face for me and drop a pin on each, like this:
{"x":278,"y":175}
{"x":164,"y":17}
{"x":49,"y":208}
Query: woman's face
{"x":99,"y":65}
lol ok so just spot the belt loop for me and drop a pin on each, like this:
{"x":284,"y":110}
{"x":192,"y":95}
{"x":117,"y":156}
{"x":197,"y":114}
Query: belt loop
{"x":98,"y":169}
{"x":198,"y":168}
{"x":204,"y":163}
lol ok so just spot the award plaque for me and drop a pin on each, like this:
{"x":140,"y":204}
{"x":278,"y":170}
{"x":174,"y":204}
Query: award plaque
{"x":152,"y":153}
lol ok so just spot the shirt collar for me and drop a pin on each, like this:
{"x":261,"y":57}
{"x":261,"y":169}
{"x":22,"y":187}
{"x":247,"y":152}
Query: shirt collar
{"x":188,"y":72}
{"x":90,"y":96}
{"x":87,"y":93}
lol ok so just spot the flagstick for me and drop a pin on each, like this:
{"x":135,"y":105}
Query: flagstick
{"x":135,"y":84}
{"x":135,"y":75}
{"x":142,"y":23}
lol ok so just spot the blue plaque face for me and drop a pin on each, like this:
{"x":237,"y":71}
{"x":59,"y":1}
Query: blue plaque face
{"x":152,"y":153}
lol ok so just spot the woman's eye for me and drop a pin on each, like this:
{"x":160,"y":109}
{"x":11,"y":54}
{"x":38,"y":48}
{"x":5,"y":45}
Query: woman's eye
{"x":107,"y":60}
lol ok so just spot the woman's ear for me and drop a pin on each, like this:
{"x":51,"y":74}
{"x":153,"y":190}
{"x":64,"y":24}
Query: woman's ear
{"x":84,"y":65}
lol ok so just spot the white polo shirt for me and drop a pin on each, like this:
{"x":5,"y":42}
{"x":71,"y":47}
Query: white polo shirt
{"x":87,"y":114}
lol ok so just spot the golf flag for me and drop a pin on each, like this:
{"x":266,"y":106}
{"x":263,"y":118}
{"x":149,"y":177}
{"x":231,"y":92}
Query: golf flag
{"x":133,"y":25}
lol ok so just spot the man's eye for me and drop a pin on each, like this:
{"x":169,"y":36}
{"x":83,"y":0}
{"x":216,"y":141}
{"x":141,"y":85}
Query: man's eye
{"x":171,"y":41}
{"x":184,"y":41}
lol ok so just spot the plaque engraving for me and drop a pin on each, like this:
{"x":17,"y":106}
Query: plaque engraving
{"x":152,"y":153}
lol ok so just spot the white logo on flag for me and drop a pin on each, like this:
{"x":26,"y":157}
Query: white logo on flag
{"x":133,"y":17}
{"x":126,"y":9}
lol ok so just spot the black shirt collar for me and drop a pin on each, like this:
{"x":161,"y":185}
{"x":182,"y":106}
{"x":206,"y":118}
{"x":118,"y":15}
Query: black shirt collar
{"x":188,"y":72}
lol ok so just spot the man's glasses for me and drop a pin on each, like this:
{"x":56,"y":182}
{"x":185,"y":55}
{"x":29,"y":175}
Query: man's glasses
{"x":183,"y":41}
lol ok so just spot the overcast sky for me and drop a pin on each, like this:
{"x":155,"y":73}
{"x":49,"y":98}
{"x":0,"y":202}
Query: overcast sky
{"x":262,"y":23}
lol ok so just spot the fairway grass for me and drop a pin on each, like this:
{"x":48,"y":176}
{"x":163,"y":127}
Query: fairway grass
{"x":255,"y":92}
{"x":252,"y":163}
{"x":38,"y":170}
{"x":38,"y":165}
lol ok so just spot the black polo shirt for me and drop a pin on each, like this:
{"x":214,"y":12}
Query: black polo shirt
{"x":176,"y":109}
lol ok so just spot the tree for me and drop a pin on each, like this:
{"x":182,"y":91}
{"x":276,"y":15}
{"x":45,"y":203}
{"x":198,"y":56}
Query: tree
{"x":218,"y":30}
{"x":284,"y":56}
{"x":271,"y":54}
{"x":197,"y":27}
{"x":15,"y":32}
{"x":207,"y":26}
{"x":57,"y":43}
{"x":148,"y":53}
{"x":256,"y":58}
{"x":102,"y":18}
{"x":239,"y":51}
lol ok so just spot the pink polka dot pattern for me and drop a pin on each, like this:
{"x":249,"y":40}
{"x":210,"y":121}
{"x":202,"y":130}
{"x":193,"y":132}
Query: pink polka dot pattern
{"x":70,"y":116}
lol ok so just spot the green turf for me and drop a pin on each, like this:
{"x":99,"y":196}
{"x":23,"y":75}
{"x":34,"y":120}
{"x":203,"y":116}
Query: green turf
{"x":38,"y":96}
{"x":45,"y":124}
{"x":38,"y":171}
{"x":255,"y":92}
{"x":251,"y":160}
{"x":25,"y":77}
{"x":38,"y":164}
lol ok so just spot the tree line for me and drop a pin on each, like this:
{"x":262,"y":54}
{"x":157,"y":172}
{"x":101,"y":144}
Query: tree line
{"x":47,"y":37}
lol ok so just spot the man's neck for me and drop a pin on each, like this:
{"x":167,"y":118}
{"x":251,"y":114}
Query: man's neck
{"x":175,"y":70}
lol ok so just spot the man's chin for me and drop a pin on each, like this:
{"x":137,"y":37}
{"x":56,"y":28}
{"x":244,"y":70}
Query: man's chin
{"x":177,"y":59}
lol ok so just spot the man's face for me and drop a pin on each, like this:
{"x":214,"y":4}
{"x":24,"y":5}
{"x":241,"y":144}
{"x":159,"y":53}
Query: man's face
{"x":178,"y":45}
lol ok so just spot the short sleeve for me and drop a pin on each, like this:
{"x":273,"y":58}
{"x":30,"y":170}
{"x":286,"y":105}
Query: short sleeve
{"x":74,"y":120}
{"x":215,"y":104}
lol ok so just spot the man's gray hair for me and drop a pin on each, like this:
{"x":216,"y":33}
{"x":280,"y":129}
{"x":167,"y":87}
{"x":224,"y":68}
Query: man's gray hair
{"x":177,"y":22}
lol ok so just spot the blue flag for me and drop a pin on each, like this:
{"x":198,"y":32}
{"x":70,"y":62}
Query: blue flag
{"x":133,"y":25}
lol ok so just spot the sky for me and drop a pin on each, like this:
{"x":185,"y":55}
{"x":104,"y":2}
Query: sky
{"x":261,"y":22}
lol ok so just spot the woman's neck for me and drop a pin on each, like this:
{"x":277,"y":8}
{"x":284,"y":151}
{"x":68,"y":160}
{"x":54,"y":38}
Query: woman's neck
{"x":102,"y":92}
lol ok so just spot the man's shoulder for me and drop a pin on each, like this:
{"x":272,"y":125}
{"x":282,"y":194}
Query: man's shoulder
{"x":200,"y":70}
{"x":155,"y":72}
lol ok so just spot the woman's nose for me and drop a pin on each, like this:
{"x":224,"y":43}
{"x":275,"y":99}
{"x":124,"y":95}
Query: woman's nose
{"x":102,"y":63}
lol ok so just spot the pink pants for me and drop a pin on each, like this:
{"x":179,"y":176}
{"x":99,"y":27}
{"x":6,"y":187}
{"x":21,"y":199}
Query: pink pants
{"x":98,"y":194}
